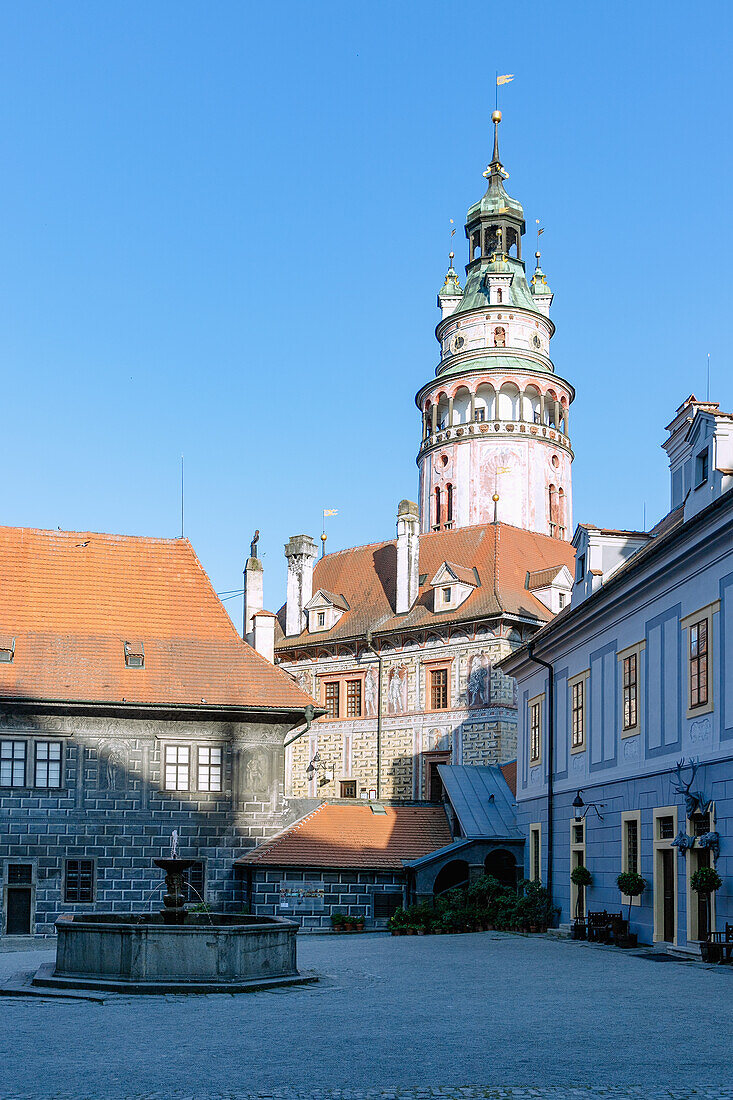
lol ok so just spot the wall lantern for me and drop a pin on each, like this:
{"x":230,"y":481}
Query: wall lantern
{"x":581,"y":807}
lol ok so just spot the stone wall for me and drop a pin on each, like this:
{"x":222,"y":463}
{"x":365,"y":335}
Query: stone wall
{"x":111,"y":808}
{"x":480,"y":727}
{"x":348,"y":892}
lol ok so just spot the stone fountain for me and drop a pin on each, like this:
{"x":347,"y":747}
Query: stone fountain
{"x":173,"y":951}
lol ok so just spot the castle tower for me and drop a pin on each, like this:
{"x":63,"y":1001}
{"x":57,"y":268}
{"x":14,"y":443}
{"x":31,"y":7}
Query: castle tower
{"x":495,"y":418}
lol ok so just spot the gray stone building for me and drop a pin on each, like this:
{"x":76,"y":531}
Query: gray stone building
{"x":129,"y":707}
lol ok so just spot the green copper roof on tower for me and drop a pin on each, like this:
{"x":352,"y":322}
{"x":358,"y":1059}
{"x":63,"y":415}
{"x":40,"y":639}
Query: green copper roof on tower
{"x":451,"y":287}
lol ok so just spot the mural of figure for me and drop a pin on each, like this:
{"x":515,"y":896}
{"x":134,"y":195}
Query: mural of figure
{"x":478,"y":681}
{"x":255,"y":773}
{"x":111,"y":772}
{"x":499,"y":337}
{"x":370,"y":691}
{"x":397,"y":691}
{"x":304,"y":681}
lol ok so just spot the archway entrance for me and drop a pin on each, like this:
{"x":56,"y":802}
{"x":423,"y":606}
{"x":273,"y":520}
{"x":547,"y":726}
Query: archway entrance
{"x":503,"y":866}
{"x":453,"y":874}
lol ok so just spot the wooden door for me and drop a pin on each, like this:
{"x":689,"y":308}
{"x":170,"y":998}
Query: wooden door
{"x":668,"y":912}
{"x":19,"y":911}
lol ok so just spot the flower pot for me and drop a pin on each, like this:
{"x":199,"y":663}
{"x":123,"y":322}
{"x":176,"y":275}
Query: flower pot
{"x":349,"y":926}
{"x":360,"y":926}
{"x":628,"y":940}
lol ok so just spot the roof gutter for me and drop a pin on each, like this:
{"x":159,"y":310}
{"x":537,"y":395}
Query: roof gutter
{"x":550,"y":757}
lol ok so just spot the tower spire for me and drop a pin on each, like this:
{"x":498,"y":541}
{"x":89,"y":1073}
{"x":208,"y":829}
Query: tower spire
{"x":495,"y":168}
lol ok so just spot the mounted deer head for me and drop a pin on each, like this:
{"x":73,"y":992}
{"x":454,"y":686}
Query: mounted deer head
{"x":695,"y":801}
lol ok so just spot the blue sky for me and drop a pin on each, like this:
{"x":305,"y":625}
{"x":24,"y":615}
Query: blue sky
{"x":225,"y":224}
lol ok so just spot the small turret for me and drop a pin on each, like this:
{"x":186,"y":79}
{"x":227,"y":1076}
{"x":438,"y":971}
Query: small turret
{"x":450,"y":293}
{"x":540,"y":290}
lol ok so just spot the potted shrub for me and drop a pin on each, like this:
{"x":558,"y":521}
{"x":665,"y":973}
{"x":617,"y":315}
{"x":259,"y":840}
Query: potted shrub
{"x":632,"y":885}
{"x":705,"y":881}
{"x":337,"y":921}
{"x":359,"y":924}
{"x":398,"y":922}
{"x":580,"y":877}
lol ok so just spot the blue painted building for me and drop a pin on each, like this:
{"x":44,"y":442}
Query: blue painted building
{"x":634,"y":677}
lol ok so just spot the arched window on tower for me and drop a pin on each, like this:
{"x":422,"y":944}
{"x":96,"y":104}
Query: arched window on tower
{"x":499,"y":296}
{"x":552,"y":511}
{"x":561,"y":513}
{"x":436,"y":525}
{"x":449,"y":504}
{"x":499,"y":337}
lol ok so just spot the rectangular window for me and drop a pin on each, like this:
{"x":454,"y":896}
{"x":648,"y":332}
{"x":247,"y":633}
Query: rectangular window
{"x":176,"y":767}
{"x":353,"y":698}
{"x":561,"y":599}
{"x":535,"y":853}
{"x":446,"y":595}
{"x":578,"y":713}
{"x":630,"y":684}
{"x":631,"y":845}
{"x":79,"y":880}
{"x":439,"y":689}
{"x":12,"y":763}
{"x":535,"y":731}
{"x":478,"y":415}
{"x":348,"y":788}
{"x":665,"y":828}
{"x":699,"y":663}
{"x":194,"y":881}
{"x":580,"y":568}
{"x":48,"y":764}
{"x":386,"y":903}
{"x":332,"y":700}
{"x":701,"y":468}
{"x":321,"y":618}
{"x":209,"y":768}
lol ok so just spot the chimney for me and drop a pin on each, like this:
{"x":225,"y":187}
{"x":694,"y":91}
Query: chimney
{"x":301,"y":552}
{"x":408,"y":555}
{"x":263,"y":631}
{"x":253,"y":598}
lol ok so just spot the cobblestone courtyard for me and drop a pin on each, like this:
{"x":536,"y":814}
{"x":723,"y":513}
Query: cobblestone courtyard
{"x":486,"y":1015}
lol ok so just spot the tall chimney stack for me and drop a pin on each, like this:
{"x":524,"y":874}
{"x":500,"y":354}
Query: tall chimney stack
{"x":408,"y":555}
{"x":253,"y":596}
{"x":301,"y":552}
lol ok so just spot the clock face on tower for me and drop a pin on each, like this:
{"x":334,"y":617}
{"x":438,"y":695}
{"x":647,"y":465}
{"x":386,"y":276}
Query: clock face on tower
{"x":536,"y":342}
{"x":457,"y":342}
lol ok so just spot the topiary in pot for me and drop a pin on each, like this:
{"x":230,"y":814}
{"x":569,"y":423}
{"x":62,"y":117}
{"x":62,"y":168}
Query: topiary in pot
{"x":580,"y":877}
{"x":632,"y":885}
{"x":337,"y":921}
{"x":706,"y":881}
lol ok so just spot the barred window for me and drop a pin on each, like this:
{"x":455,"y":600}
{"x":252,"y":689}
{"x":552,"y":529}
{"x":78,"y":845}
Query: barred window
{"x":439,"y":689}
{"x":176,"y":767}
{"x":209,"y":768}
{"x":632,"y":845}
{"x":48,"y":764}
{"x":699,"y":663}
{"x":535,"y":731}
{"x":79,"y":880}
{"x":535,"y":868}
{"x":353,"y":698}
{"x":578,"y":713}
{"x":332,"y":700}
{"x":630,"y":691}
{"x":12,"y":763}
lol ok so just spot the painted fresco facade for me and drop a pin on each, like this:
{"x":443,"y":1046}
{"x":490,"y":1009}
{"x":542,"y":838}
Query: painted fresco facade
{"x":650,"y":747}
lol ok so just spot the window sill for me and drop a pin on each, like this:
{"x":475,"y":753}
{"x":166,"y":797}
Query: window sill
{"x":574,"y":749}
{"x":634,"y":731}
{"x":704,"y":708}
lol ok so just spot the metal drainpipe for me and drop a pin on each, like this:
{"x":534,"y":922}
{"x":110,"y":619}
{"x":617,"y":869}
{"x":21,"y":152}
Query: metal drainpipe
{"x":379,"y":711}
{"x":550,"y":757}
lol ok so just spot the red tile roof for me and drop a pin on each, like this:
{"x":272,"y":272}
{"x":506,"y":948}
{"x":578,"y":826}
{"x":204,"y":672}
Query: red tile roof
{"x":366,"y":577}
{"x":72,"y":599}
{"x":343,"y":835}
{"x":509,"y":771}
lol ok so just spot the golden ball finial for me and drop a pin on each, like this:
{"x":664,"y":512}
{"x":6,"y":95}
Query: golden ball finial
{"x":496,"y":116}
{"x":495,"y":498}
{"x":451,"y":255}
{"x":537,"y":255}
{"x":324,"y":536}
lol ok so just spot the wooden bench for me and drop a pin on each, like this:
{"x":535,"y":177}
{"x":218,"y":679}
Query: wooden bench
{"x":720,"y":945}
{"x":604,"y":927}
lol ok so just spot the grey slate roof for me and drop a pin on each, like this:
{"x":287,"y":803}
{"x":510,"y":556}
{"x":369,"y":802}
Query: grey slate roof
{"x":482,"y":801}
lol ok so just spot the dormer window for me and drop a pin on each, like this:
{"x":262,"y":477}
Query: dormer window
{"x":446,"y":595}
{"x":451,"y":585}
{"x":324,"y":610}
{"x":134,"y":655}
{"x":580,"y":568}
{"x":7,"y":649}
{"x":321,"y":618}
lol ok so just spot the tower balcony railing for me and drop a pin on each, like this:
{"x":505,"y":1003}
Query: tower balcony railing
{"x":487,"y":428}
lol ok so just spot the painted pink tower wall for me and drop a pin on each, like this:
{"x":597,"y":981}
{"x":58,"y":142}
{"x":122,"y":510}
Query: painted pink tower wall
{"x":495,"y":419}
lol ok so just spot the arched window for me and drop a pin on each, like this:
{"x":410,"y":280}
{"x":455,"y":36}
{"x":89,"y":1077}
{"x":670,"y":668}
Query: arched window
{"x":552,"y":512}
{"x":437,"y":507}
{"x":449,"y":504}
{"x":498,"y":296}
{"x":499,"y":337}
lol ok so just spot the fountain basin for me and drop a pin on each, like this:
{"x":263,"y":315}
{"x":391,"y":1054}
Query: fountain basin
{"x":210,"y":952}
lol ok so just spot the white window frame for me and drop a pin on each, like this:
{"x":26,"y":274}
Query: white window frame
{"x":177,"y":765}
{"x":206,"y":768}
{"x":13,"y":761}
{"x":538,"y":700}
{"x":54,"y":755}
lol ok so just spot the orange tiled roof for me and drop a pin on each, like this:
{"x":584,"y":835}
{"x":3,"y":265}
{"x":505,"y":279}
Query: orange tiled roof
{"x":509,"y":771}
{"x":349,"y":835}
{"x":366,"y":577}
{"x":72,"y":599}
